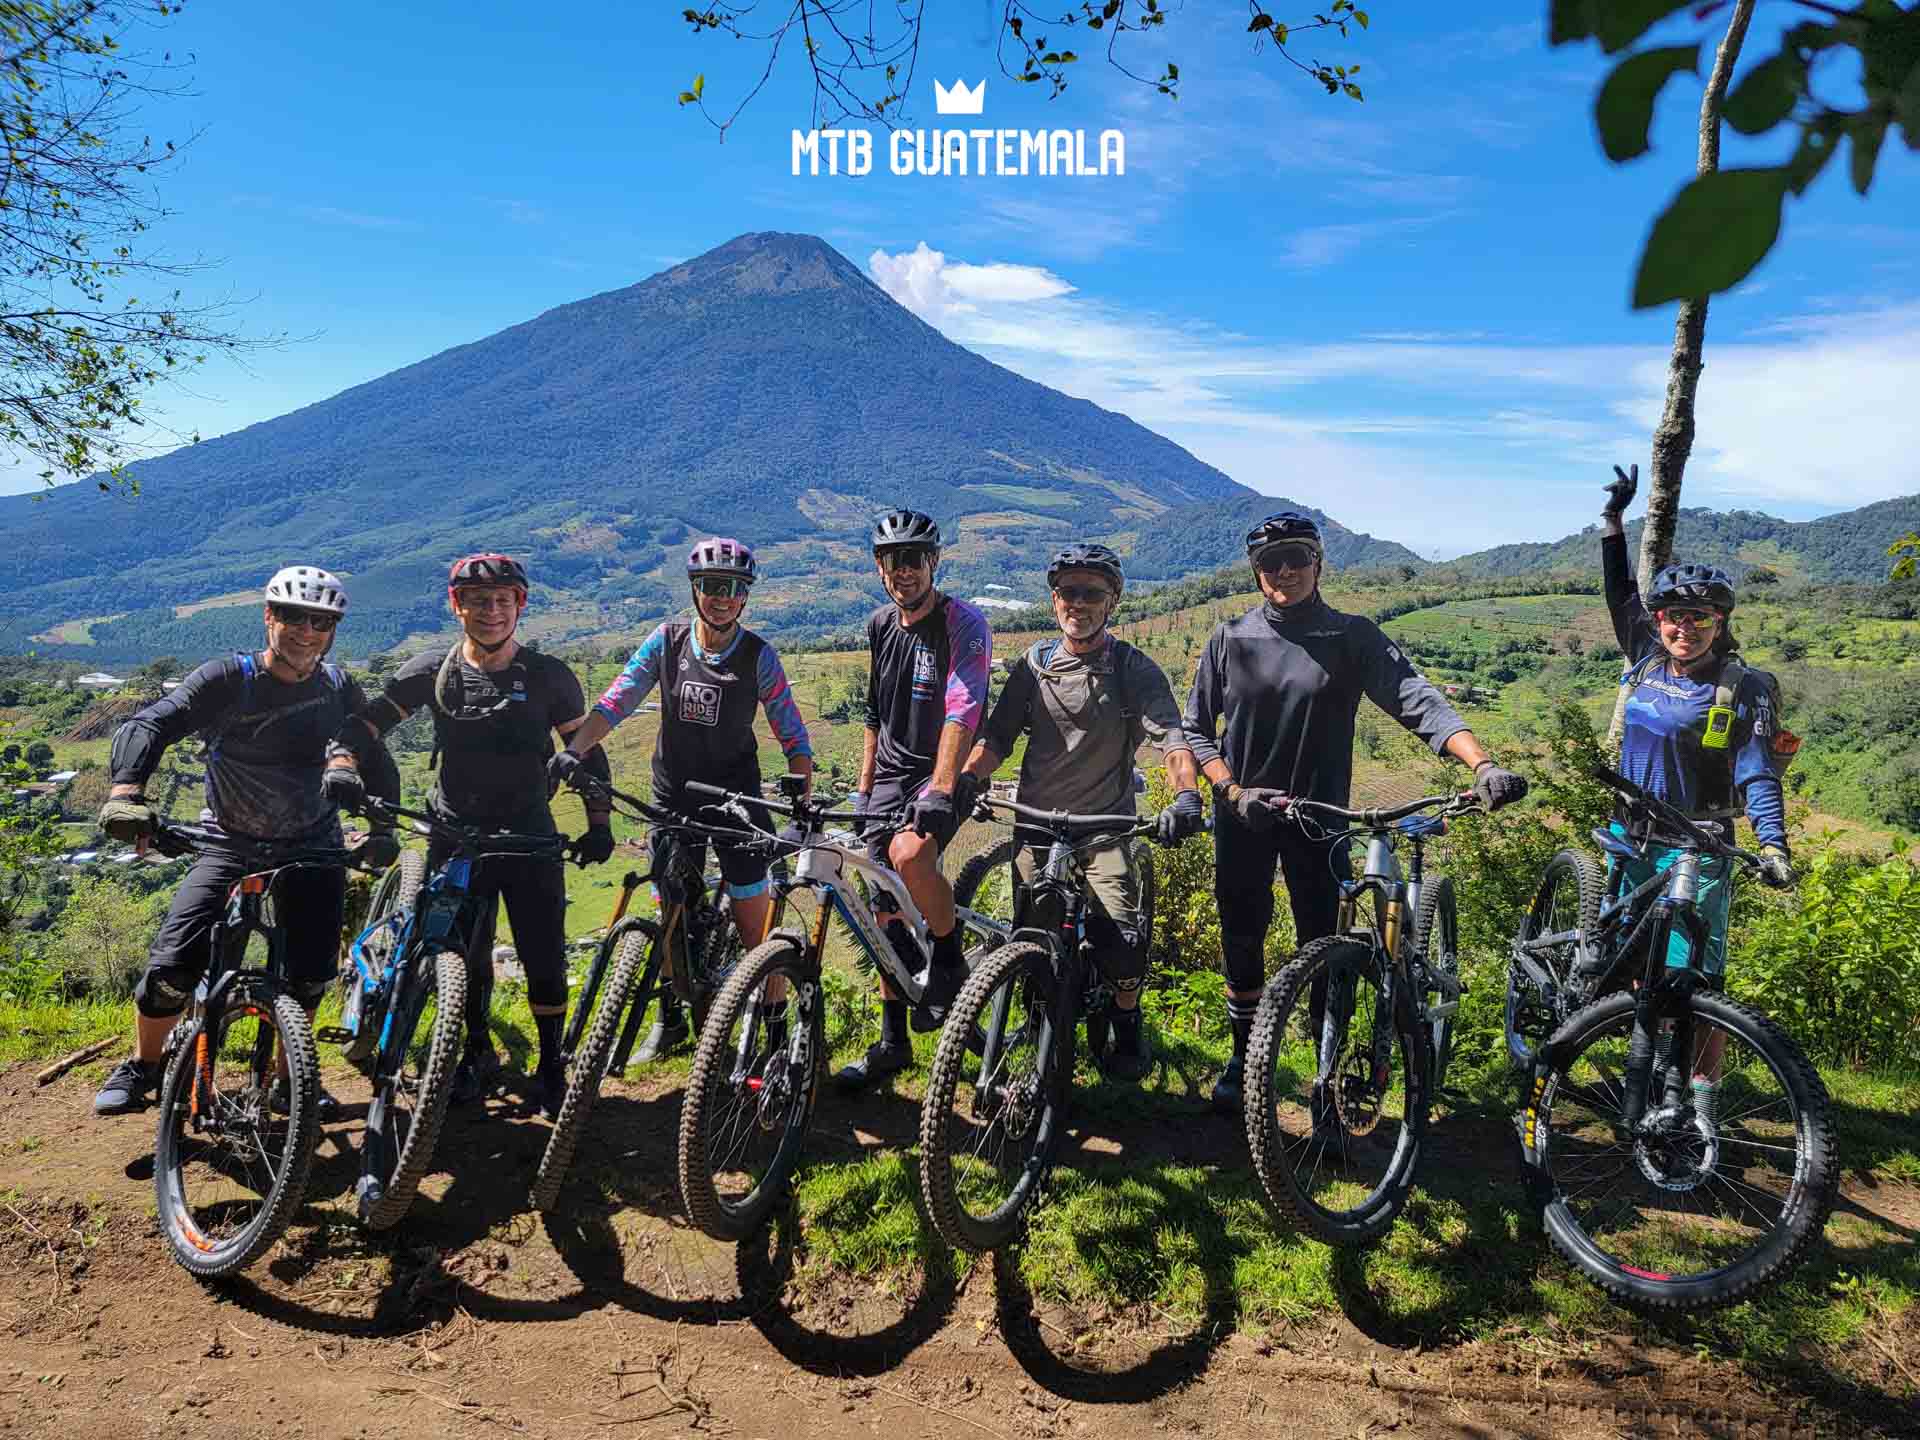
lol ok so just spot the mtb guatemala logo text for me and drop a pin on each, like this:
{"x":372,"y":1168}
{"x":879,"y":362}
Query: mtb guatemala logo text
{"x":962,"y":152}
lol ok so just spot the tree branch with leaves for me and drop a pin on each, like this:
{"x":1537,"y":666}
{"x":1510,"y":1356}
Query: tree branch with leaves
{"x":1723,"y":223}
{"x":863,"y":54}
{"x":91,"y":317}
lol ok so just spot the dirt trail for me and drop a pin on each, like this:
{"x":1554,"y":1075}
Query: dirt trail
{"x":614,"y":1319}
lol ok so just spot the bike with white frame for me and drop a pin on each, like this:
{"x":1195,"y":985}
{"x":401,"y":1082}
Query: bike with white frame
{"x":757,"y":1067}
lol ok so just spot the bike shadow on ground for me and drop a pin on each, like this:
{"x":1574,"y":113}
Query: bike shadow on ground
{"x":786,"y":1303}
{"x":462,"y":1233}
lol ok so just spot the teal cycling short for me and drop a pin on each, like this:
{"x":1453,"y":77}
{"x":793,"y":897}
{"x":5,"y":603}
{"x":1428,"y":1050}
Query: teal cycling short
{"x":1714,"y":899}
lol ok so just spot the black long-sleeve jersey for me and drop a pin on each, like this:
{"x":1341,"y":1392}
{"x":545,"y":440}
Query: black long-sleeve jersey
{"x":1287,"y":682}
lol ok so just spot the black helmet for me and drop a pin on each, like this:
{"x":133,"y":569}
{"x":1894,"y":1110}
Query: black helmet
{"x":487,"y":568}
{"x":1087,"y":557}
{"x":1698,"y":584}
{"x":905,"y":527}
{"x":1287,"y":526}
{"x":722,"y":555}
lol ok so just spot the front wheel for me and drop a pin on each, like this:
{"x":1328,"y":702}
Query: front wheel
{"x":1555,"y":933}
{"x":412,"y":1079}
{"x":992,"y":1115}
{"x":1335,"y":1123}
{"x":229,"y":1164}
{"x":751,"y":1093}
{"x":1717,"y":1188}
{"x":590,"y":1066}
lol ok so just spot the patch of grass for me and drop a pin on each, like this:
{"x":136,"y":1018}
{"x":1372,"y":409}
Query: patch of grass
{"x":863,"y":1217}
{"x":48,"y":1029}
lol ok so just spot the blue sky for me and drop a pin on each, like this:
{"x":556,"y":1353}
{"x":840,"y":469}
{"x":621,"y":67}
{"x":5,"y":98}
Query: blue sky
{"x":1411,"y":312}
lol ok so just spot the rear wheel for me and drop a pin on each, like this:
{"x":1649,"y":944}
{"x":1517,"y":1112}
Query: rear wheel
{"x":413,"y":1077}
{"x":228,"y":1170}
{"x":637,"y":950}
{"x":1696,"y":1204}
{"x":991,"y":1118}
{"x":1335,"y":1125}
{"x":751,"y":1093}
{"x":1554,"y":933}
{"x":396,"y":895}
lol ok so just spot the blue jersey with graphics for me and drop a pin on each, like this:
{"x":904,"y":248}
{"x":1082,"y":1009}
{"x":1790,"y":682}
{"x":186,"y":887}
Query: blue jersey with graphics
{"x":1666,"y":718}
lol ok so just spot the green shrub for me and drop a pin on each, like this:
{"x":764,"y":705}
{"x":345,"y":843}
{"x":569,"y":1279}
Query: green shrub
{"x":1838,"y":961}
{"x":99,"y":944}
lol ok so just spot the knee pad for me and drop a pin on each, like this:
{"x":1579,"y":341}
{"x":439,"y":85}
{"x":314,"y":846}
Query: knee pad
{"x":310,"y":992}
{"x":158,"y":996}
{"x":1118,"y":950}
{"x":1244,"y":960}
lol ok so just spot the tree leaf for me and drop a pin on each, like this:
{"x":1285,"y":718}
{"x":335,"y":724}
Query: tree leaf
{"x":1262,"y":21}
{"x":1624,"y":109}
{"x":1867,"y":133}
{"x":699,"y":86}
{"x":1709,"y":239}
{"x":1615,"y":23}
{"x":1767,"y":95}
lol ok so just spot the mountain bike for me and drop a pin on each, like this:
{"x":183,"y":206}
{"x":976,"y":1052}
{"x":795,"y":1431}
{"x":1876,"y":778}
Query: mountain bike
{"x":986,"y":885}
{"x":756,"y":1071}
{"x":996,"y":1101}
{"x":230,"y":1157}
{"x":1337,"y":1108}
{"x":412,"y":956}
{"x":694,"y":941}
{"x":1679,"y":1146}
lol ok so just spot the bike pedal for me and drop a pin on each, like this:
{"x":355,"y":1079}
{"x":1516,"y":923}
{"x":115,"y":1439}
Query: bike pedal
{"x":334,"y":1035}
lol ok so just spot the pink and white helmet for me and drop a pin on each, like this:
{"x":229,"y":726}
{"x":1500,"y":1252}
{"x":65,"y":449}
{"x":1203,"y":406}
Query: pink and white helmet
{"x":309,"y":587}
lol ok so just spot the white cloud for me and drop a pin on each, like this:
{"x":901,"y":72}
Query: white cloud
{"x":1454,"y":439}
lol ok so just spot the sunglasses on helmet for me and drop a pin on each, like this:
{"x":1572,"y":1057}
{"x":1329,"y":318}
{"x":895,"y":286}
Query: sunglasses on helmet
{"x":321,"y":620}
{"x":1276,"y":558}
{"x":722,"y":587}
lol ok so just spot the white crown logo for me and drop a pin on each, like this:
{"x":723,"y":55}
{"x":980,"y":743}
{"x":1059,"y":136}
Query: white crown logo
{"x":959,"y":100}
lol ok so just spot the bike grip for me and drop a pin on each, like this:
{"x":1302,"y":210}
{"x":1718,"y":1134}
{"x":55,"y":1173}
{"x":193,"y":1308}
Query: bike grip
{"x":1613,"y":779}
{"x":700,"y":787}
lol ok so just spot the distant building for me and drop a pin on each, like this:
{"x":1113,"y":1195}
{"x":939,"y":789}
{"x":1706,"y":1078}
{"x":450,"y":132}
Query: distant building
{"x":61,"y":777}
{"x":997,"y":602}
{"x":99,"y":680}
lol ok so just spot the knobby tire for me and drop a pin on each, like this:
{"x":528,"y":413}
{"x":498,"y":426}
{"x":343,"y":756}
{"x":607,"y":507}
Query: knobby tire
{"x":387,"y":1191}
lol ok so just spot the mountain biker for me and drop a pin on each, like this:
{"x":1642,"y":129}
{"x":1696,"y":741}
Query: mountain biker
{"x":1085,"y":702}
{"x":496,"y":705}
{"x":1287,"y":679}
{"x":274,"y":772}
{"x":1681,"y":655}
{"x":713,"y":672}
{"x":929,"y":656}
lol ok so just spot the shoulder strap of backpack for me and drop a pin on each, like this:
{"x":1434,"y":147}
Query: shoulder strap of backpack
{"x":1726,"y":686}
{"x":1122,"y":669}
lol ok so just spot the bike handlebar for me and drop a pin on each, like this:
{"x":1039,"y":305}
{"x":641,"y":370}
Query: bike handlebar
{"x":1063,"y":823}
{"x":1381,"y":818}
{"x":470,"y":839}
{"x":173,"y":839}
{"x":1684,"y":824}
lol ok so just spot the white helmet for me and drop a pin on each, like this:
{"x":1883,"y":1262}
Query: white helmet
{"x":309,"y":587}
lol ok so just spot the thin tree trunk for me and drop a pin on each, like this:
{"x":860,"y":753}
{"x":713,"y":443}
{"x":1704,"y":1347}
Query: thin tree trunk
{"x":1673,"y":437}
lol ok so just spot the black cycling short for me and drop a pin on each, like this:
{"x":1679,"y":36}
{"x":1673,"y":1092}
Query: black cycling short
{"x":1243,"y":867}
{"x":310,"y":902}
{"x":886,"y":799}
{"x":535,"y":891}
{"x":742,"y":865}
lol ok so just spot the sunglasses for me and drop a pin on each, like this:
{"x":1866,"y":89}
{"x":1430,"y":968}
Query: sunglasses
{"x":488,"y":599}
{"x":1692,"y":619}
{"x":906,"y":557}
{"x":722,"y":587}
{"x":1286,"y":557}
{"x":1082,"y":594}
{"x":320,"y":620}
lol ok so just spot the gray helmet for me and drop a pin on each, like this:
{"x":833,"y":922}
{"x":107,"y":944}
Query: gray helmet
{"x":1098,"y":558}
{"x":722,"y":555}
{"x":905,"y":527}
{"x":1698,"y":584}
{"x":309,"y":587}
